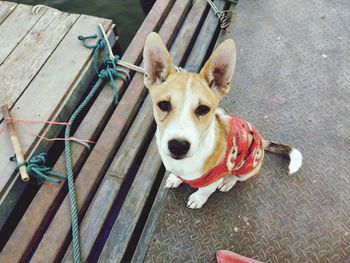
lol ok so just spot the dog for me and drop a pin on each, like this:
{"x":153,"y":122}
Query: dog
{"x":197,"y":142}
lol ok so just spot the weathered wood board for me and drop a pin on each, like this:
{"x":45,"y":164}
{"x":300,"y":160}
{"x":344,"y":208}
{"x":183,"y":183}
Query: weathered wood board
{"x":137,"y":136}
{"x":5,"y":10}
{"x":205,"y":37}
{"x":27,"y":59}
{"x":31,"y":53}
{"x":120,"y":236}
{"x":13,"y":30}
{"x":6,"y":206}
{"x":151,"y":223}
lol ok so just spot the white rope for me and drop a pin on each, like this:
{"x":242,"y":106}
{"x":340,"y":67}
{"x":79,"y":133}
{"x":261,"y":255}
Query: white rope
{"x":36,"y":9}
{"x":222,"y":15}
{"x":124,"y":63}
{"x":120,"y":62}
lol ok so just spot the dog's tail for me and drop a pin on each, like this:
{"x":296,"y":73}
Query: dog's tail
{"x":296,"y":159}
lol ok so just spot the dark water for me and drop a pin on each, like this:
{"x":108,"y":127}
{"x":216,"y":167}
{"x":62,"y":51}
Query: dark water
{"x":126,"y":14}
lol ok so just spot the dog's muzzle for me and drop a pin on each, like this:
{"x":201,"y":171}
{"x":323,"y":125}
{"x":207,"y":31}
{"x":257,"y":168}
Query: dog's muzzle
{"x":178,"y":148}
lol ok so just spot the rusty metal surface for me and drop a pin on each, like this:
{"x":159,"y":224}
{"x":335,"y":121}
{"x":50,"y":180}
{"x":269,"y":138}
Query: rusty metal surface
{"x":292,"y":82}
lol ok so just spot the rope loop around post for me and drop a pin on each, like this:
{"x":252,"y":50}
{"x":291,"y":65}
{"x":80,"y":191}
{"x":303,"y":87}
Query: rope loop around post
{"x":37,"y":168}
{"x":110,"y":70}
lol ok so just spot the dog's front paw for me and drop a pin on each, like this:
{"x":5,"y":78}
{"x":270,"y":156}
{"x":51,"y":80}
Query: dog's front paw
{"x":227,"y":183}
{"x":197,"y":200}
{"x":173,"y":181}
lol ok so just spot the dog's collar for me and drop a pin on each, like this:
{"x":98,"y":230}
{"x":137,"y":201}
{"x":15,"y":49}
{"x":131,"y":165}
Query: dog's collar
{"x":241,"y":156}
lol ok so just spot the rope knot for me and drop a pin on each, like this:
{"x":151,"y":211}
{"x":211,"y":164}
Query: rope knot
{"x":21,"y":164}
{"x":84,"y":39}
{"x":36,"y":167}
{"x":110,"y":70}
{"x":39,"y":160}
{"x":110,"y":73}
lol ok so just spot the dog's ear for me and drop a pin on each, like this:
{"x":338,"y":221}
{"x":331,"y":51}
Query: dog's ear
{"x":157,"y":61}
{"x":218,"y":70}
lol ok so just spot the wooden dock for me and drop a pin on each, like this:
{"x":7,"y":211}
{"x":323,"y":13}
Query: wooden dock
{"x":41,"y":79}
{"x":125,"y":213}
{"x":45,"y":72}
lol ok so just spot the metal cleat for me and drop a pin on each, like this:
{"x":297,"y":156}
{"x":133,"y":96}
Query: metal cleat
{"x":36,"y":9}
{"x":222,"y":15}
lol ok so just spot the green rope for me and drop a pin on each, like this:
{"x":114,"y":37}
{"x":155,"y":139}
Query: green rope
{"x":110,"y":65}
{"x":109,"y":72}
{"x":36,"y":166}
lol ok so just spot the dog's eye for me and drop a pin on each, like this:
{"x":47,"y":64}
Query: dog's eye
{"x":164,"y":105}
{"x":202,"y":110}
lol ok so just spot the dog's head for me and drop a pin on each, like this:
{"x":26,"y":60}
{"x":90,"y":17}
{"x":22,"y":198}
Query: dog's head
{"x":184,"y":104}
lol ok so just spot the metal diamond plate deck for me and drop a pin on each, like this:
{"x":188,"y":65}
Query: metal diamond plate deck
{"x":292,"y":82}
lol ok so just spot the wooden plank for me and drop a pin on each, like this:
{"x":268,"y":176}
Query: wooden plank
{"x":31,"y":54}
{"x":15,"y":28}
{"x":41,"y":208}
{"x":97,"y":214}
{"x":75,"y":81}
{"x":120,"y":236}
{"x":154,"y":19}
{"x":151,"y":223}
{"x":6,"y":8}
{"x":113,"y":180}
{"x":55,"y":100}
{"x":92,"y":172}
{"x":187,"y":32}
{"x":204,"y":39}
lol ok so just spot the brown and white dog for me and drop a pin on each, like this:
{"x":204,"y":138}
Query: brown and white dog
{"x":197,"y":142}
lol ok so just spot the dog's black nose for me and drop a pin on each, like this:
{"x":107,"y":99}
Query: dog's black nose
{"x":178,"y":147}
